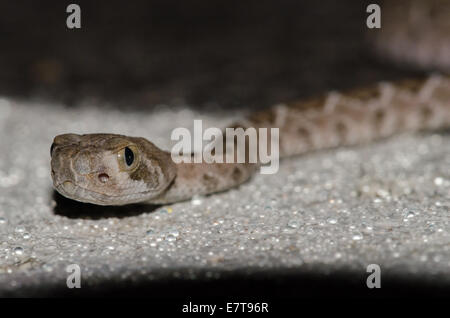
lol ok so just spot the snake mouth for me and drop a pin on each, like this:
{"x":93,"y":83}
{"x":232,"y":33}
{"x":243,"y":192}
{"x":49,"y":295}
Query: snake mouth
{"x":78,"y":193}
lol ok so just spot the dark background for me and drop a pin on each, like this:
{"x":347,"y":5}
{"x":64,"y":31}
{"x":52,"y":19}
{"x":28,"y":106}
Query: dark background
{"x":223,"y":52}
{"x":227,"y":54}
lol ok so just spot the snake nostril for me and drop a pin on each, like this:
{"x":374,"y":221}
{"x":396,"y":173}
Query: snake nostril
{"x":103,"y":177}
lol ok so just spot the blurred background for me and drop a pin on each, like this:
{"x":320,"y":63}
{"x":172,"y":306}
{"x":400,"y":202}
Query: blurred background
{"x":145,"y":53}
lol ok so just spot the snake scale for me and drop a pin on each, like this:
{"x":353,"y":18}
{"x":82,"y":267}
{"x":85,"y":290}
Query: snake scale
{"x":109,"y":169}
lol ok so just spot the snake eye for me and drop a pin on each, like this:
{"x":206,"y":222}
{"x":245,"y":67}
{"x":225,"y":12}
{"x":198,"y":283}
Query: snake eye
{"x":128,"y":158}
{"x":51,"y":148}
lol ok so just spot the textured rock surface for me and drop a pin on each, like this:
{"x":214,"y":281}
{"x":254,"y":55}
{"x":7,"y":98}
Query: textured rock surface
{"x":385,"y":203}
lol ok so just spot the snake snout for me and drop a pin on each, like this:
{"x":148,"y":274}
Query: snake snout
{"x":82,"y":163}
{"x":69,"y":187}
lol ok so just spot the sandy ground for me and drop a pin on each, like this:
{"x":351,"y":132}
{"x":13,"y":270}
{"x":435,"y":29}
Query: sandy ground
{"x":386,"y":203}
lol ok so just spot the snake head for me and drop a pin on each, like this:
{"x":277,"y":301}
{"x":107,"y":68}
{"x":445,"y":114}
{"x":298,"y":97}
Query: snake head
{"x":108,"y":169}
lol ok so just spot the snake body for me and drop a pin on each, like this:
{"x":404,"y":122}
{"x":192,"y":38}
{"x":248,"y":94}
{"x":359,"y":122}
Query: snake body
{"x":110,"y":169}
{"x":92,"y":168}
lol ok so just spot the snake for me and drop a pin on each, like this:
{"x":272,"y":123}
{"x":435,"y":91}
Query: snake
{"x":113,"y":169}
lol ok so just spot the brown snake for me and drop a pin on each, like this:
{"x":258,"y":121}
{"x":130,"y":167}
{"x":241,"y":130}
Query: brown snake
{"x":108,"y":169}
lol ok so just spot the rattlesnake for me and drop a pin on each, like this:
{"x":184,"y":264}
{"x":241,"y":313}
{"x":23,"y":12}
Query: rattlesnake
{"x":109,"y":169}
